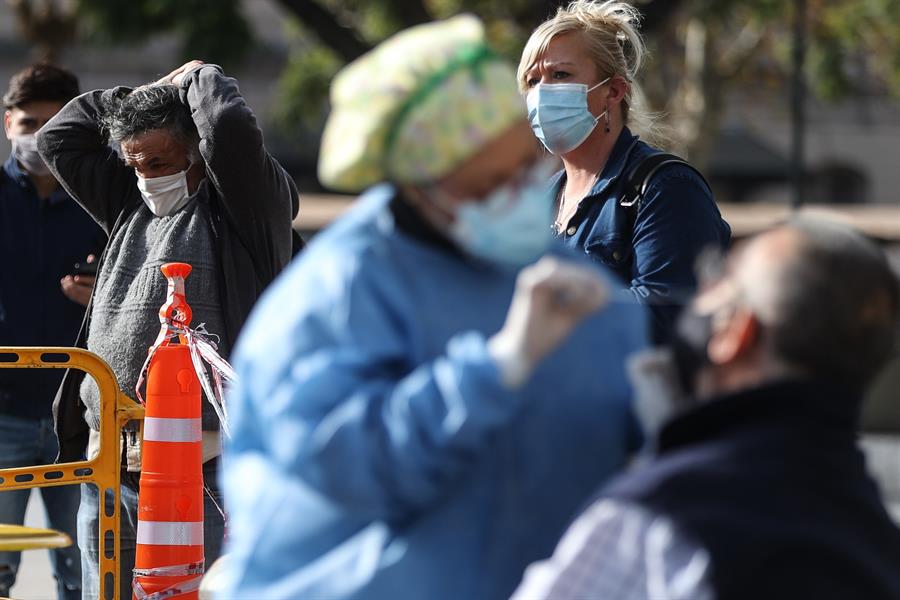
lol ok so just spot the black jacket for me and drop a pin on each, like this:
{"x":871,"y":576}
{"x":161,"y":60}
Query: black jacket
{"x":771,"y":482}
{"x":41,"y":239}
{"x":253,"y":202}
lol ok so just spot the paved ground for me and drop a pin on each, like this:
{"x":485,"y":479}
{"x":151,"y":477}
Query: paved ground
{"x":35,"y":580}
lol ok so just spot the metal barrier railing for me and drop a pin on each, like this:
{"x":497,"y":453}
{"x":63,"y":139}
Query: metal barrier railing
{"x":116,"y":409}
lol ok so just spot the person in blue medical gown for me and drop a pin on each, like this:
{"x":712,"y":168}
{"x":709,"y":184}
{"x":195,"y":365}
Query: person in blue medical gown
{"x":431,"y":391}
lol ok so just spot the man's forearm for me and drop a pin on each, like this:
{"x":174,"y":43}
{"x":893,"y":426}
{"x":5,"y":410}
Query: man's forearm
{"x":257,"y":195}
{"x":74,"y":147}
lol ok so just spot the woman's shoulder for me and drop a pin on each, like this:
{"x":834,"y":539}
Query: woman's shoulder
{"x":675,"y":171}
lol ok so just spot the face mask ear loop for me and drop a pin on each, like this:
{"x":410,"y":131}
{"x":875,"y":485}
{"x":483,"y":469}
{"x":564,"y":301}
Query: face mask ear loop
{"x":599,"y":84}
{"x":191,"y":162}
{"x":605,"y":113}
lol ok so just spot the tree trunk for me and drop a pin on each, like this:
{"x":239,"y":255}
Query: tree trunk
{"x":345,"y":41}
{"x":408,"y":13}
{"x":692,"y":96}
{"x":658,"y":14}
{"x":46,"y":24}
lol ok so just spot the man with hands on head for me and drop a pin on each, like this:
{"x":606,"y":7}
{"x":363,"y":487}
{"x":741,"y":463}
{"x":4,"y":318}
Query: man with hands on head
{"x":174,"y":171}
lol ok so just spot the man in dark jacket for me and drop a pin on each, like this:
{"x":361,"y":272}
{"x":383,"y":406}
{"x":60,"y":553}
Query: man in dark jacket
{"x":757,"y":489}
{"x":187,"y":179}
{"x":43,"y":233}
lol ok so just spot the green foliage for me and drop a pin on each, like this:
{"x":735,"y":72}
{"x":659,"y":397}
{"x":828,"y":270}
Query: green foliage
{"x":855,"y":41}
{"x":304,"y":84}
{"x":303,"y":88}
{"x":745,"y":10}
{"x":373,"y":20}
{"x":851,"y":42}
{"x":826,"y":67}
{"x":212,"y":30}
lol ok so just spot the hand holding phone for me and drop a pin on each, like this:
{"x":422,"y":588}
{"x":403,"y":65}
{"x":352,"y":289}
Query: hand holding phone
{"x":78,"y":286}
{"x":85,"y":268}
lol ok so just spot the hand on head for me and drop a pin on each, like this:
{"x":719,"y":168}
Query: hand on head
{"x":177,"y":76}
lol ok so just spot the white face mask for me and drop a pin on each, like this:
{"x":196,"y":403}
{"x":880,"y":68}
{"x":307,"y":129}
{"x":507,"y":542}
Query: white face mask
{"x":24,"y":148}
{"x":165,"y":195}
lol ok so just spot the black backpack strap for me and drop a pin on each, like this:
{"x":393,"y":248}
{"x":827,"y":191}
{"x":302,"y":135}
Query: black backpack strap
{"x":638,"y":180}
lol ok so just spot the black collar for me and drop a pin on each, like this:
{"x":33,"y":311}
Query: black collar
{"x":808,"y":402}
{"x":411,"y":223}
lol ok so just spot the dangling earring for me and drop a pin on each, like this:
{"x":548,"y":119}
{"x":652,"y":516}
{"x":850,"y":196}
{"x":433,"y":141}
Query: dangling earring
{"x":607,"y":119}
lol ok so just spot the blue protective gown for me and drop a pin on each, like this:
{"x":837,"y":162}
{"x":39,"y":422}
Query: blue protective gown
{"x":375,"y":453}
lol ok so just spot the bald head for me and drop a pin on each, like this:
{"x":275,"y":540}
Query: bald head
{"x":825,"y":296}
{"x":762,"y":266}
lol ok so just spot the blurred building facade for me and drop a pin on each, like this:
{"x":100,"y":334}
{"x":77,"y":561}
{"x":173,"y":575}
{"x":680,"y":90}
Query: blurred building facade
{"x":851,"y":154}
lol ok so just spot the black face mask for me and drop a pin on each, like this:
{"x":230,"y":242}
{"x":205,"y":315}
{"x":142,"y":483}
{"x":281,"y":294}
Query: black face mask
{"x":689,"y":347}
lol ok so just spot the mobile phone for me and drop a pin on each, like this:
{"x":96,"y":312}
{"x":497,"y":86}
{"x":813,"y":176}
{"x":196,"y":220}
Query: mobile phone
{"x":86,"y":268}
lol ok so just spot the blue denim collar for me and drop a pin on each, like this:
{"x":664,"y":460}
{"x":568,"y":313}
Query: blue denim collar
{"x":15,"y":173}
{"x":613,"y":168}
{"x":616,"y":162}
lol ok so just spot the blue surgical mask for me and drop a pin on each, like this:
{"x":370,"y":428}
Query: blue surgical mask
{"x":512,"y":225}
{"x":559,"y":115}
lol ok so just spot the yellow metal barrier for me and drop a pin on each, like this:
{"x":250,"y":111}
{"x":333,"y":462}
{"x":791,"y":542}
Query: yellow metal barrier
{"x":15,"y":538}
{"x":103,"y":470}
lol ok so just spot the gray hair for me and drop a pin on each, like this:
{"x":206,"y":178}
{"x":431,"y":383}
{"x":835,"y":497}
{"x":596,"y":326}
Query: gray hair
{"x":836,"y":306}
{"x":147,"y":108}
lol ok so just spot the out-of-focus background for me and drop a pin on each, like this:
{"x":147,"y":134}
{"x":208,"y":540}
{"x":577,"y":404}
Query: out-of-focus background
{"x":778,"y":102}
{"x":722,"y":73}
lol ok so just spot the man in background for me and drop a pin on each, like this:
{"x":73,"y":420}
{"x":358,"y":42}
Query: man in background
{"x":757,"y":488}
{"x":43,"y":233}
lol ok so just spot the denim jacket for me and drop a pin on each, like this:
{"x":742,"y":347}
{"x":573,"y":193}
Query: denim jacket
{"x":677,"y":219}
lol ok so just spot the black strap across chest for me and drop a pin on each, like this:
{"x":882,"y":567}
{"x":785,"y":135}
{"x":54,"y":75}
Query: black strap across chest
{"x":639,"y":176}
{"x":638,"y":180}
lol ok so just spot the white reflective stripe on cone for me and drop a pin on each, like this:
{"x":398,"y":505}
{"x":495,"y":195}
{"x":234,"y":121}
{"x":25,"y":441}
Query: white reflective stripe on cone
{"x":170,"y":533}
{"x":158,"y":429}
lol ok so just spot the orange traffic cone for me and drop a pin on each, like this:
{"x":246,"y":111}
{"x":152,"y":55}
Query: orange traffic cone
{"x":169,"y":556}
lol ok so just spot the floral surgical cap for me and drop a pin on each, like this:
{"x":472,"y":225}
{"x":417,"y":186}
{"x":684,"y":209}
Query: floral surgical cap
{"x":417,"y":106}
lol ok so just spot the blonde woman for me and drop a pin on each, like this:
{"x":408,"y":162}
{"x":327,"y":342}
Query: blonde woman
{"x":578,"y":72}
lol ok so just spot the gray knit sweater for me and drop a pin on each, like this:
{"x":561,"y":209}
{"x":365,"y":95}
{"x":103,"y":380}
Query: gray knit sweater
{"x":131,"y":288}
